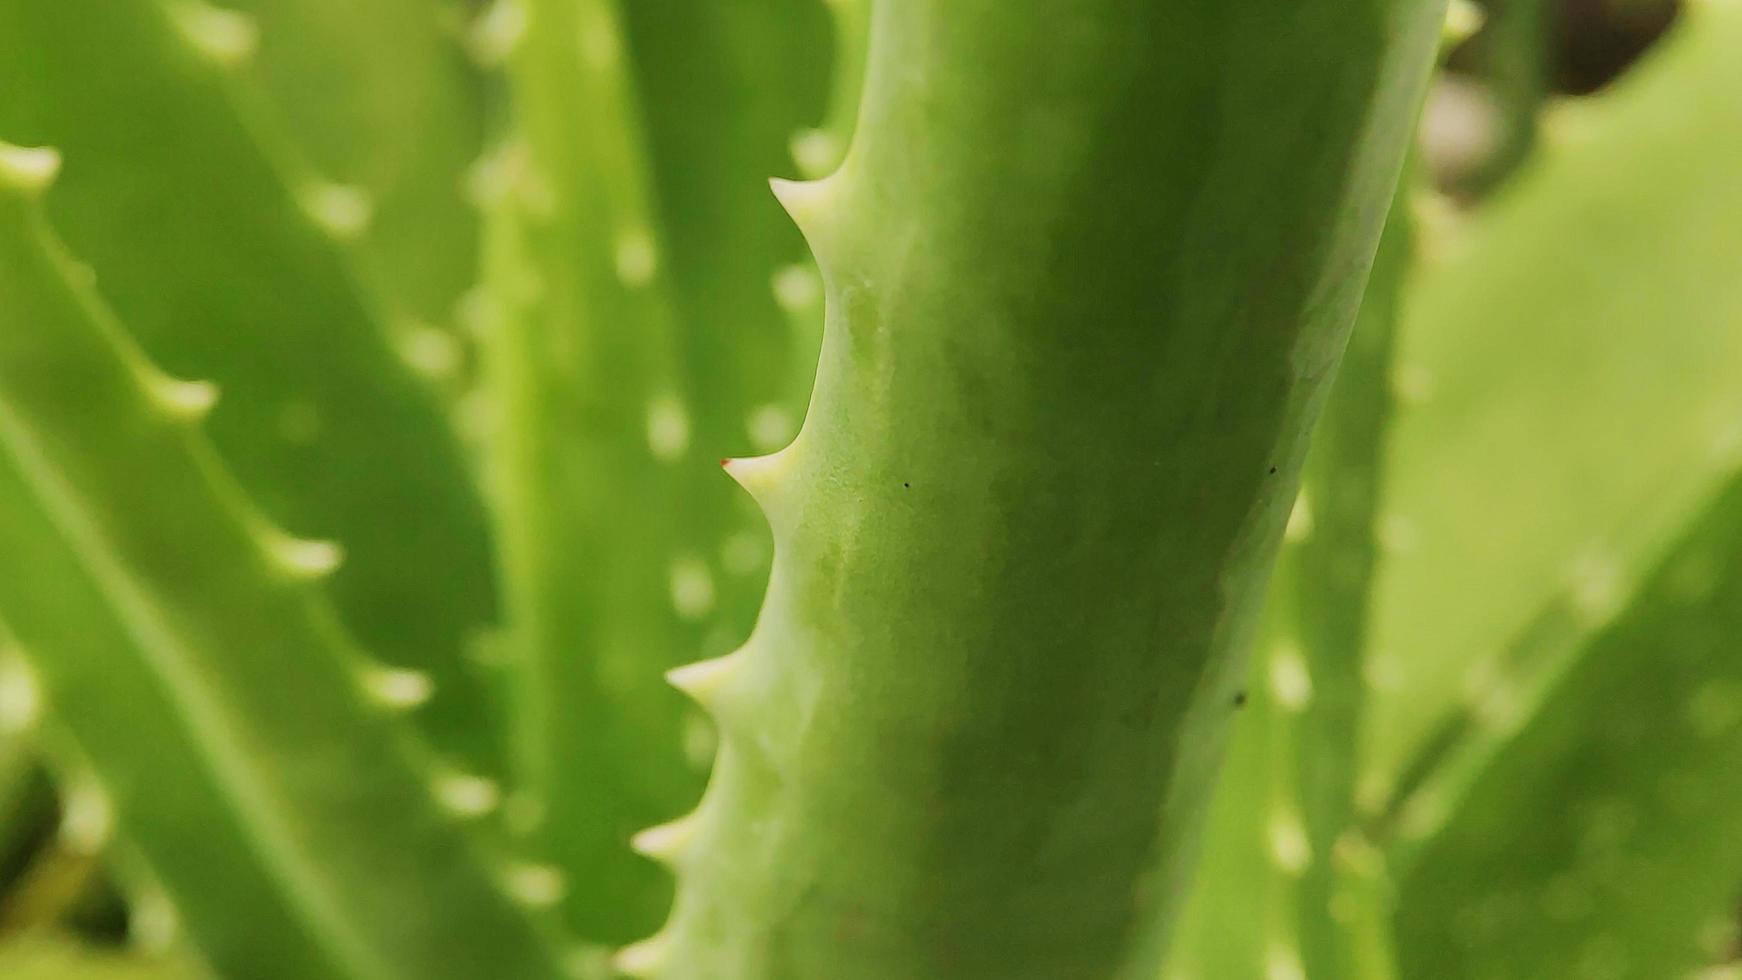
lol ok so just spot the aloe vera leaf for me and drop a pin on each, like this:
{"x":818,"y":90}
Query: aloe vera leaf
{"x":1274,"y":891}
{"x":1554,"y":348}
{"x":640,"y":335}
{"x":595,"y":445}
{"x":229,"y":723}
{"x":379,"y":97}
{"x":820,"y":149}
{"x":206,"y":249}
{"x":1602,"y":839}
{"x":722,"y":89}
{"x":1022,"y":531}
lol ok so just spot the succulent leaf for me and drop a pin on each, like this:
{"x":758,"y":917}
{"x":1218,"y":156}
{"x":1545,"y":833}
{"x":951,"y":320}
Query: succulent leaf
{"x":203,"y":241}
{"x":212,"y":701}
{"x":637,"y":336}
{"x":1281,"y":869}
{"x":1054,"y":435}
{"x":1593,"y":387}
{"x":1635,"y":754}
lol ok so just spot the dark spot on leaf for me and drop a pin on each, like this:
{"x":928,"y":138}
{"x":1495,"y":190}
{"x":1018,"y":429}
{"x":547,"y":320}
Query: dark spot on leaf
{"x":1239,"y":699}
{"x":906,"y":485}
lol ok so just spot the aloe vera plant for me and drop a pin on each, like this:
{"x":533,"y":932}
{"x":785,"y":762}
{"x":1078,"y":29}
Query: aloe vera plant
{"x":371,"y":591}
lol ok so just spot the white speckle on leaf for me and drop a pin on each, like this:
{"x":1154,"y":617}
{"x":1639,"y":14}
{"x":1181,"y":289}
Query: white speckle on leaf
{"x":770,"y":427}
{"x":637,"y":258}
{"x":742,"y":553}
{"x":1396,"y":534}
{"x":1283,"y":963}
{"x":699,"y":742}
{"x":305,"y":558}
{"x":1598,"y":587}
{"x":466,"y":795}
{"x":343,"y":210}
{"x":797,"y":288}
{"x":535,"y":885}
{"x":152,"y":922}
{"x":429,"y":351}
{"x":186,"y":400}
{"x":1290,"y":683}
{"x":398,"y":688}
{"x":20,"y":696}
{"x":1290,"y":851}
{"x":668,"y":429}
{"x":498,"y":31}
{"x":1300,"y":519}
{"x":227,"y":37}
{"x":87,"y":820}
{"x":599,"y":43}
{"x":1412,"y":384}
{"x":28,"y":168}
{"x":692,"y":587}
{"x":815,"y":151}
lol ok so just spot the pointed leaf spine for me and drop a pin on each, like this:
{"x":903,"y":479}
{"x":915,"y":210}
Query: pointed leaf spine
{"x":228,"y":37}
{"x":28,"y":170}
{"x":666,"y":842}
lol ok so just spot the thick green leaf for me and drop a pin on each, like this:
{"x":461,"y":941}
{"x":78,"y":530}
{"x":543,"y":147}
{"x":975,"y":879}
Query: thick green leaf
{"x":1568,"y":370}
{"x":244,"y":745}
{"x":380,"y":97}
{"x":637,"y":262}
{"x":1602,"y":840}
{"x":1279,"y":884}
{"x":202,"y":243}
{"x":1088,"y":271}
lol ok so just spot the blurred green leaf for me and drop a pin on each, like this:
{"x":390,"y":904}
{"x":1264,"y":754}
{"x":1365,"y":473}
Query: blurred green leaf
{"x":228,"y":269}
{"x":1568,"y":385}
{"x":203,"y":696}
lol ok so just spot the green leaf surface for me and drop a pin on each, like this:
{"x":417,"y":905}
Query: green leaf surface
{"x":202,"y":241}
{"x":1280,"y":882}
{"x":203,"y":690}
{"x":1602,"y":840}
{"x":1053,"y":441}
{"x":380,"y":97}
{"x":1568,"y":376}
{"x":636,"y":261}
